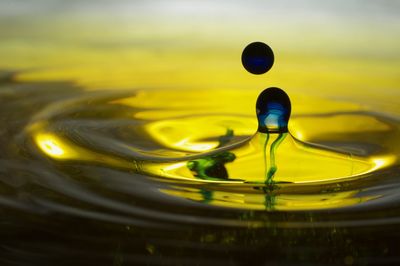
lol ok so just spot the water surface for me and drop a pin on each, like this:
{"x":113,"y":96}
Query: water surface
{"x":103,"y":116}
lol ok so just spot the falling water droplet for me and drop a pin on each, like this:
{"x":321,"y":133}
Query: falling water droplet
{"x":273,"y":111}
{"x":257,"y":58}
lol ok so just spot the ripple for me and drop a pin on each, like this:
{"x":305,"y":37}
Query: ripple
{"x":113,"y":132}
{"x":78,"y":166}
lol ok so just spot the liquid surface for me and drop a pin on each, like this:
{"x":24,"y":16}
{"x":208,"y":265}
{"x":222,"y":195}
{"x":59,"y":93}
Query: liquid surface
{"x":124,"y":131}
{"x":130,"y":139}
{"x":112,"y":157}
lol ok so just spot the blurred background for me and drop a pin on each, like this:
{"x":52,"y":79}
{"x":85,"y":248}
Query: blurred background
{"x":344,"y":48}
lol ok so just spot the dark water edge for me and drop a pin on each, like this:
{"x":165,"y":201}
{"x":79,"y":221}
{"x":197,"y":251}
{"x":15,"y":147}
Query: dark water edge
{"x":62,"y":214}
{"x":63,"y":240}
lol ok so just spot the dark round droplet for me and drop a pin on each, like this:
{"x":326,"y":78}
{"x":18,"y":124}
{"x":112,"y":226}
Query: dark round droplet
{"x":273,"y":111}
{"x":257,"y":58}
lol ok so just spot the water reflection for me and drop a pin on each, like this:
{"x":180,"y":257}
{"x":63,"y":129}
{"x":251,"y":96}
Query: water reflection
{"x":71,"y":186}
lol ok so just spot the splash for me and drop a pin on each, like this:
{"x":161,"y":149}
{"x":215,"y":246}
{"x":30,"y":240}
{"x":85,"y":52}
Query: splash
{"x":272,"y":156}
{"x":216,"y":153}
{"x":273,"y":111}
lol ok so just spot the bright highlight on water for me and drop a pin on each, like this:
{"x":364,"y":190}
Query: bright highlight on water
{"x":131,"y":134}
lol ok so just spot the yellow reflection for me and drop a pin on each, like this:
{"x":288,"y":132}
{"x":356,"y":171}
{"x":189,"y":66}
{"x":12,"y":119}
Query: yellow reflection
{"x":296,"y":163}
{"x":198,"y":134}
{"x":51,"y":148}
{"x":147,"y":51}
{"x":178,"y":171}
{"x":307,"y":128}
{"x":143,"y":52}
{"x":280,"y":202}
{"x":186,"y":145}
{"x":61,"y":149}
{"x":383,"y":162}
{"x":193,"y":129}
{"x":54,"y":147}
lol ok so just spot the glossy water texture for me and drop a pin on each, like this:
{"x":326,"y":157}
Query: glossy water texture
{"x":119,"y":130}
{"x":121,"y":165}
{"x":132,"y":139}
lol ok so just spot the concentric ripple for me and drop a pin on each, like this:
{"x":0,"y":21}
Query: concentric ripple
{"x":69,"y":155}
{"x":146,"y":138}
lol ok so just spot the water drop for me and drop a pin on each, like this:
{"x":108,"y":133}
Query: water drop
{"x":257,"y":58}
{"x":273,"y":111}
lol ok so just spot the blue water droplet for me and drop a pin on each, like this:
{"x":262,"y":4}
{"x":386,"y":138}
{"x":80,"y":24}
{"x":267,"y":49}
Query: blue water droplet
{"x":257,"y":58}
{"x":273,"y":111}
